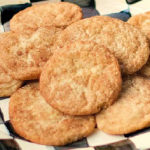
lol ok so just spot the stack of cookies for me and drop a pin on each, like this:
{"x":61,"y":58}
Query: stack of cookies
{"x":85,"y":70}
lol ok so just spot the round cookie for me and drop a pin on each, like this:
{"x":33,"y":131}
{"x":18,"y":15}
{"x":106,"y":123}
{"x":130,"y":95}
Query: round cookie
{"x":23,"y":56}
{"x":36,"y":121}
{"x":126,"y":42}
{"x":8,"y":85}
{"x":142,"y":21}
{"x":81,"y":79}
{"x":131,"y":112}
{"x":59,"y":14}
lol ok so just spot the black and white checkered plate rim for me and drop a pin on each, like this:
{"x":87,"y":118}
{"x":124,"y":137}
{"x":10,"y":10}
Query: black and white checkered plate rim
{"x":99,"y":140}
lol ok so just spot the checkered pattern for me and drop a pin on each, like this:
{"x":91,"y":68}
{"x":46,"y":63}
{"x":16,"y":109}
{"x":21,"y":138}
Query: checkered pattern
{"x":96,"y":140}
{"x":9,"y":140}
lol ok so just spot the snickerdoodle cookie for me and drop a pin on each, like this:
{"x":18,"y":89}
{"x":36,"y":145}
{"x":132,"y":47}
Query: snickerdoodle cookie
{"x":131,"y":111}
{"x":49,"y":14}
{"x":142,"y":22}
{"x":81,"y":79}
{"x":125,"y":41}
{"x":23,"y":56}
{"x":36,"y":121}
{"x":8,"y":85}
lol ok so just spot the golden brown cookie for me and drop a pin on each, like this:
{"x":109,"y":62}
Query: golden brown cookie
{"x":126,"y":42}
{"x":131,"y":112}
{"x":23,"y":56}
{"x":36,"y":121}
{"x":59,"y":15}
{"x":142,"y":21}
{"x":8,"y":85}
{"x":81,"y":79}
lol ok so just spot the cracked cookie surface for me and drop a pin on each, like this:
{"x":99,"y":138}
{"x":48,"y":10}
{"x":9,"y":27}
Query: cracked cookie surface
{"x":23,"y":56}
{"x":8,"y":85}
{"x":59,"y":14}
{"x":131,"y":111}
{"x":142,"y":22}
{"x":36,"y":121}
{"x":126,"y":42}
{"x":81,"y":78}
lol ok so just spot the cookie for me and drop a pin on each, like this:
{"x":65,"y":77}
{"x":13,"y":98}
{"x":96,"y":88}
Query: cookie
{"x":131,"y":112}
{"x":59,"y":14}
{"x":8,"y":85}
{"x":126,"y":42}
{"x":23,"y":56}
{"x":36,"y":121}
{"x":142,"y":21}
{"x":81,"y":79}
